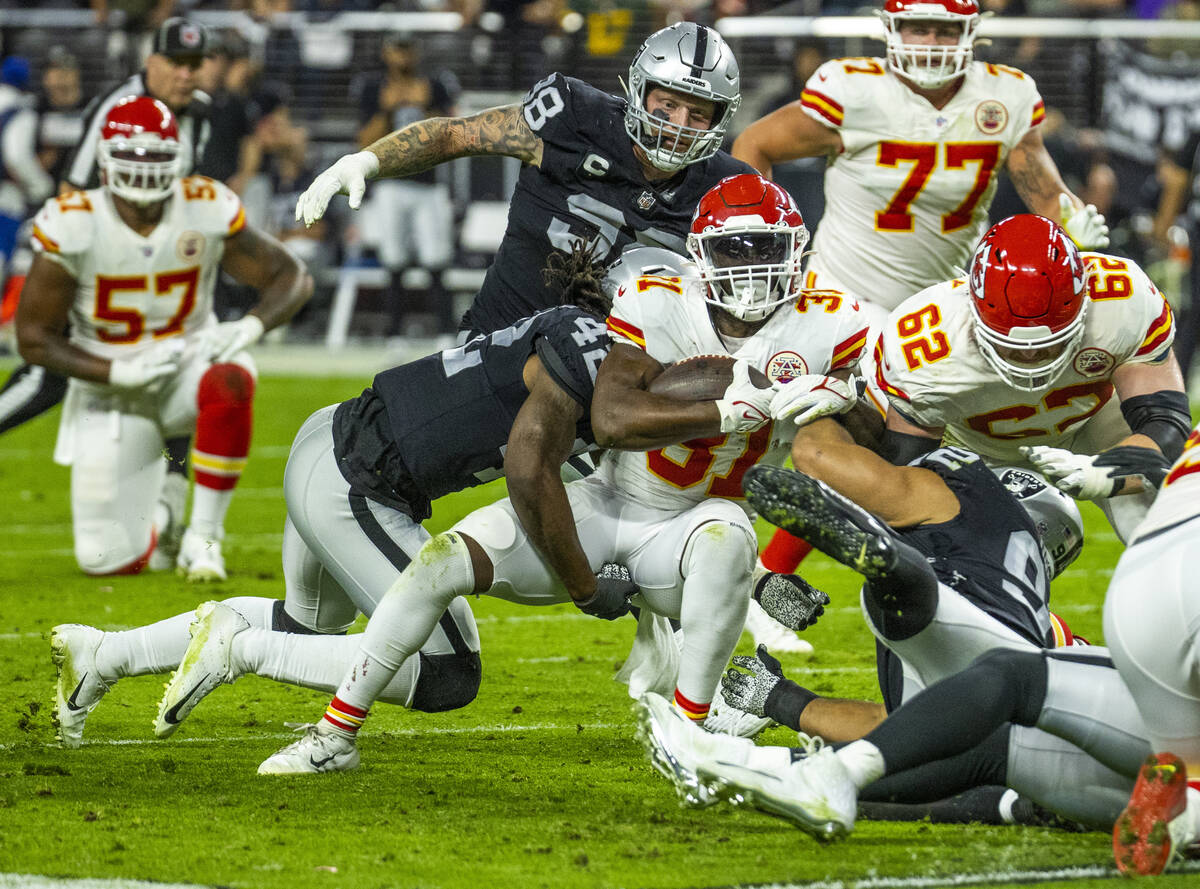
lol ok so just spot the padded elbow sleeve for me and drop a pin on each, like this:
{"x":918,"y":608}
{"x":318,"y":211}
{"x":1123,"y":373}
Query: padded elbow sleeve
{"x":1164,"y":416}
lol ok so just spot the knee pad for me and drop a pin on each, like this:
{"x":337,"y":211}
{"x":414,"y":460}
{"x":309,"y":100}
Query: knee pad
{"x":282,"y":622}
{"x":447,"y":681}
{"x":721,"y":549}
{"x":109,"y":552}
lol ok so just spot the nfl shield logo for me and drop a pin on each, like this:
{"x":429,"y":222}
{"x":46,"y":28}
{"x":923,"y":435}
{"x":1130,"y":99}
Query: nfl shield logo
{"x":645,"y":201}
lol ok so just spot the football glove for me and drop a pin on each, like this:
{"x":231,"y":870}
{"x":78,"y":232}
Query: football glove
{"x":614,"y":587}
{"x":749,"y":691}
{"x":1074,"y":474}
{"x":348,"y":176}
{"x":812,"y":396}
{"x":790,"y":599}
{"x":1130,"y":461}
{"x":1085,"y":224}
{"x":222,"y":342}
{"x":744,"y":407}
{"x":726,"y":719}
{"x":149,"y":368}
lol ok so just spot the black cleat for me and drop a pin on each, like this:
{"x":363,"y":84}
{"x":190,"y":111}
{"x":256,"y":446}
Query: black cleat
{"x":809,"y":509}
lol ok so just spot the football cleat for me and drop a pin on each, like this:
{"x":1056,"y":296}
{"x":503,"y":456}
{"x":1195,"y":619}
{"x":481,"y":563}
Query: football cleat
{"x":811,"y":510}
{"x":1152,"y":830}
{"x":173,"y":500}
{"x":322,"y":749}
{"x":814,"y":793}
{"x":207,"y":663}
{"x":771,"y":633}
{"x":79,"y":686}
{"x":200,"y":559}
{"x":726,"y":719}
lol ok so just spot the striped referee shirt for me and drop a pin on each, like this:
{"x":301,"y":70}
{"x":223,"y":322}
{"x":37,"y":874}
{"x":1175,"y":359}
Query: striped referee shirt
{"x":194,"y":131}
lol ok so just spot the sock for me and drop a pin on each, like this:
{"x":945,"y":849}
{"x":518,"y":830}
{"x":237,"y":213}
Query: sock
{"x":224,"y":403}
{"x":784,"y":553}
{"x":692,"y":710}
{"x":342,"y":718}
{"x":314,"y":661}
{"x":159,"y":647}
{"x":863,"y":761}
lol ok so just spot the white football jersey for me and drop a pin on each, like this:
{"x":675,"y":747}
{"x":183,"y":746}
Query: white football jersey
{"x":134,"y":291}
{"x":821,"y":332}
{"x":1179,"y":497}
{"x":907,"y":199}
{"x":928,"y":363}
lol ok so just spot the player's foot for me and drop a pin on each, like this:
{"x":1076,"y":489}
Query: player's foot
{"x":207,"y":663}
{"x":815,"y":793}
{"x":801,"y":505}
{"x":79,"y":687}
{"x":322,"y":749}
{"x":726,"y":719}
{"x":200,"y":559}
{"x":172,"y":502}
{"x":1153,"y":829}
{"x":678,"y":748}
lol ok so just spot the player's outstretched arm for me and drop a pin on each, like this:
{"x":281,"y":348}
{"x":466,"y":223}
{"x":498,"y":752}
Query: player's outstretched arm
{"x":1041,"y":187}
{"x":627,"y":417}
{"x":783,"y":135}
{"x":42,"y":322}
{"x":900,"y":495}
{"x":258,"y":260}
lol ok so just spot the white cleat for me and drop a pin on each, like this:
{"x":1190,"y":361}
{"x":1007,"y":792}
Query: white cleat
{"x":814,"y":793}
{"x":200,"y":559}
{"x":320,"y":750}
{"x":771,"y":633}
{"x":678,"y":748}
{"x":726,"y":719}
{"x":207,"y":663}
{"x":172,"y":502}
{"x":79,"y":687}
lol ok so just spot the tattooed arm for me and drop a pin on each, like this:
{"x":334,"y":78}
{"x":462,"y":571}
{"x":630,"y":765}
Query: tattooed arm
{"x":429,"y":142}
{"x":1036,"y":177}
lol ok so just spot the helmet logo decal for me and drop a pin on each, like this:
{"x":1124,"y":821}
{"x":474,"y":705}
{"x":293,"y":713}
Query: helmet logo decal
{"x":991,"y":117}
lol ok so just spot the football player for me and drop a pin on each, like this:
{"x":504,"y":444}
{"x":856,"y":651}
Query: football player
{"x":915,"y":142}
{"x":1075,"y":695}
{"x":608,"y":170}
{"x":1042,"y":357}
{"x":670,"y":513}
{"x":132,"y":265}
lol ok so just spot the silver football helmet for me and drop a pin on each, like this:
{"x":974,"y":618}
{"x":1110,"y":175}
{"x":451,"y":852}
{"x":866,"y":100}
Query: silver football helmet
{"x":1059,"y":524}
{"x":637,"y":262}
{"x":691,"y":59}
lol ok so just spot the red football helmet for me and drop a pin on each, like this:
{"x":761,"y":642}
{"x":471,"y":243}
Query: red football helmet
{"x":1028,"y":298}
{"x":139,"y":150}
{"x":930,"y":66}
{"x":748,"y":241}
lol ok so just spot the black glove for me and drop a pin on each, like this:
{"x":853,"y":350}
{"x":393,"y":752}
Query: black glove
{"x":1128,"y":460}
{"x":790,"y":599}
{"x":614,"y":587}
{"x":749,"y":691}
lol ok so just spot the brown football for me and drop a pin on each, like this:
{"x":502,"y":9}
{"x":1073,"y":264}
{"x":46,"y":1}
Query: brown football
{"x":702,"y":378}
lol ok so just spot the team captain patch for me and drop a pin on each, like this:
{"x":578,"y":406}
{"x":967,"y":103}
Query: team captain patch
{"x":189,"y":245}
{"x":1093,"y":362}
{"x":785,"y":366}
{"x":991,"y":117}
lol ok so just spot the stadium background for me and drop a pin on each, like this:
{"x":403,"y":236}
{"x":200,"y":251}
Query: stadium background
{"x":539,"y":782}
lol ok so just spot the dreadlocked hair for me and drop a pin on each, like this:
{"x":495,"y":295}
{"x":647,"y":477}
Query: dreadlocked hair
{"x":576,"y":277}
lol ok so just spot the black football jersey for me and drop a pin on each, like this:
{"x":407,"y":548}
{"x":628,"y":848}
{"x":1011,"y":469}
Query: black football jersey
{"x":989,"y":552}
{"x":589,"y":185}
{"x":441,"y":423}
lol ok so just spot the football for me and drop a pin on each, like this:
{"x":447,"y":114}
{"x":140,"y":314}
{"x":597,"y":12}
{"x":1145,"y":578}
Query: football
{"x":702,"y":378}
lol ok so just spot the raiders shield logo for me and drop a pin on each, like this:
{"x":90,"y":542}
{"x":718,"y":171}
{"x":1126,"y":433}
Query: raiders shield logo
{"x":991,"y":117}
{"x":1021,"y":484}
{"x":786,"y":366}
{"x":189,"y":245}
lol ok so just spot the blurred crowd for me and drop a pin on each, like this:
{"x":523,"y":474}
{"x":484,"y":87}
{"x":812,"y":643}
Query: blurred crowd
{"x":293,"y":89}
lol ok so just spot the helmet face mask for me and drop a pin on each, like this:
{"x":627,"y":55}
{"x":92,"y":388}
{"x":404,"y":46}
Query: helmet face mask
{"x":1055,"y":515}
{"x":139,"y":151}
{"x":691,"y":60}
{"x":930,"y":65}
{"x":1028,"y":300}
{"x":748,"y":241}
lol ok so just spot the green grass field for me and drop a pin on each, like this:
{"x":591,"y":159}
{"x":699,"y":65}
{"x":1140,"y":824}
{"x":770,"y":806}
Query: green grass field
{"x":540,"y":782}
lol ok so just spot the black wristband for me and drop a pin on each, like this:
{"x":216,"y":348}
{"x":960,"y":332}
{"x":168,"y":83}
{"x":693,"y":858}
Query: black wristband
{"x":786,"y":701}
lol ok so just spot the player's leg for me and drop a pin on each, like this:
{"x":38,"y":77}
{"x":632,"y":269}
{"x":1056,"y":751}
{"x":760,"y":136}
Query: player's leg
{"x":224,"y":400}
{"x":1152,"y":625}
{"x":30,"y":391}
{"x":171,"y":516}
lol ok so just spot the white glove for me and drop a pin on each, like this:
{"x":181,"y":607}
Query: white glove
{"x":1071,"y":473}
{"x":744,"y":407}
{"x":348,"y":176}
{"x":811,"y":396}
{"x":222,"y":342}
{"x":149,"y":368}
{"x":1085,"y":225}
